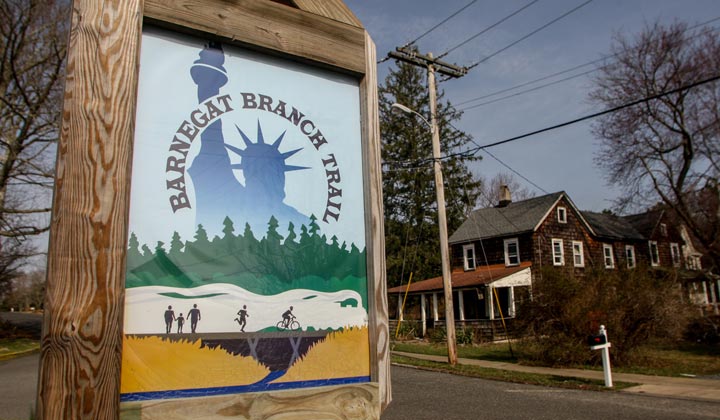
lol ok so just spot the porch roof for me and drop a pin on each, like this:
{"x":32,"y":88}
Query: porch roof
{"x":496,"y":275}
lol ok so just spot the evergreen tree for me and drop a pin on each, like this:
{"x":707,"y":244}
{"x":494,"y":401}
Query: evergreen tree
{"x":409,"y":195}
{"x":228,"y":228}
{"x":176,"y":246}
{"x":134,"y":257}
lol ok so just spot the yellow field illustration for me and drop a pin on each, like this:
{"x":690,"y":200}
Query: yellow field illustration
{"x":343,"y":354}
{"x":155,"y":364}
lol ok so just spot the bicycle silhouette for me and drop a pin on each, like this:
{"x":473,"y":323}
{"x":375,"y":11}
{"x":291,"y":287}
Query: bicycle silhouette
{"x":288,"y":324}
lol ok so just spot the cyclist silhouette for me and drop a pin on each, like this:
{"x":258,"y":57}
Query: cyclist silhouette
{"x":288,"y":321}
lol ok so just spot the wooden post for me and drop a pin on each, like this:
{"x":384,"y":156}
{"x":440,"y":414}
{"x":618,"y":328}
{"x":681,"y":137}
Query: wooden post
{"x":82,"y":327}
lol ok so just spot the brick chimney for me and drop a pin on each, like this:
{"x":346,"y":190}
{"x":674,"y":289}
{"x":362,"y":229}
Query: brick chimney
{"x":505,"y":197}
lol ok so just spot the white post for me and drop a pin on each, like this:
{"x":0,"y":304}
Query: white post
{"x":400,"y":311}
{"x":707,"y":300}
{"x":461,"y":305}
{"x":422,"y":314}
{"x":606,"y":358}
{"x":436,"y":317}
{"x":511,"y":302}
{"x":490,"y":302}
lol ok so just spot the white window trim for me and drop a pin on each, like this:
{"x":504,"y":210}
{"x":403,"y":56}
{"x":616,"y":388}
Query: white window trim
{"x":562,"y":211}
{"x":562,"y":252}
{"x":506,"y":242}
{"x":609,"y":247}
{"x":581,"y":254}
{"x":650,"y":246}
{"x":465,"y":259}
{"x":675,"y":254}
{"x":631,"y":262}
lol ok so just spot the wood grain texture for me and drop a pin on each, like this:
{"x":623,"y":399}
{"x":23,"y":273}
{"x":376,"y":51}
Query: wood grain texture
{"x":346,"y":402}
{"x":82,"y":327}
{"x":375,"y":231}
{"x":267,"y":26}
{"x":333,"y":9}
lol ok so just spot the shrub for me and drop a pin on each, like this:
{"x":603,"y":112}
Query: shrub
{"x":705,"y":330}
{"x":634,"y":305}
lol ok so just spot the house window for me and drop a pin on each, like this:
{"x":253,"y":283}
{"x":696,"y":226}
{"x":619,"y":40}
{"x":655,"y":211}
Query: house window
{"x":469,"y":257}
{"x":578,"y":256}
{"x":512,"y":252}
{"x":608,"y":256}
{"x":654,"y":254}
{"x":557,"y":250}
{"x":630,"y":256}
{"x":562,"y":214}
{"x":675,"y":254}
{"x":663,"y":229}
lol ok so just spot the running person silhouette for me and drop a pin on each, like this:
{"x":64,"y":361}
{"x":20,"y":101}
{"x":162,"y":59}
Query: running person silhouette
{"x":242,"y":313}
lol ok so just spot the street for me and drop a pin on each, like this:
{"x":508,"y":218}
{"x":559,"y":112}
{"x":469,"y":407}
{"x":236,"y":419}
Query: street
{"x":419,"y":394}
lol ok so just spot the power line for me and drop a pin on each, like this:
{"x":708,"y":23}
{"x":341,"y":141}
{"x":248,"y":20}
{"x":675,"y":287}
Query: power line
{"x":432,"y":29}
{"x":540,"y":79}
{"x":488,"y":28}
{"x":498,"y":160}
{"x":587,"y":117}
{"x":550,"y":76}
{"x":514,"y":171}
{"x":440,"y":24}
{"x":522,"y":92}
{"x":530,"y":34}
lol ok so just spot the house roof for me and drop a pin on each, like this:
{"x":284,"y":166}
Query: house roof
{"x":515,"y":218}
{"x":612,"y":227}
{"x":645,"y":223}
{"x":465,"y":279}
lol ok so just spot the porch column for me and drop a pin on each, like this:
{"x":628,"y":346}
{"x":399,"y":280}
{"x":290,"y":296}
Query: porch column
{"x":713,"y":297}
{"x":490,"y":299}
{"x":435,"y":308}
{"x":400,"y":314}
{"x":461,"y":305}
{"x":422,"y":314}
{"x":706,"y":291}
{"x":715,"y":305}
{"x":511,"y":302}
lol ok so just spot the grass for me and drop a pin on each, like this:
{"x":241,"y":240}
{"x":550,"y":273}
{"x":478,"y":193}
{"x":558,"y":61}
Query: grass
{"x":10,"y":346}
{"x":511,"y":376}
{"x":680,"y":360}
{"x":497,"y":352}
{"x":654,"y":359}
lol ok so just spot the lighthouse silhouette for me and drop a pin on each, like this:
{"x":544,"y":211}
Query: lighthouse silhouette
{"x":218,"y":193}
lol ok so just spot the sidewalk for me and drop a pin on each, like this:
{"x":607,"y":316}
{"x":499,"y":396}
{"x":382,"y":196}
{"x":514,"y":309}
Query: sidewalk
{"x":662,"y":386}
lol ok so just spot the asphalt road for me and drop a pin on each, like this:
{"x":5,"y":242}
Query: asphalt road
{"x":419,"y":395}
{"x":18,"y":385}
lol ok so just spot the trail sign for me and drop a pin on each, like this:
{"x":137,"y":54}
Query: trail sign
{"x":248,"y":261}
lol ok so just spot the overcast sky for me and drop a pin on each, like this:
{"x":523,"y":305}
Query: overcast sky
{"x":557,"y":160}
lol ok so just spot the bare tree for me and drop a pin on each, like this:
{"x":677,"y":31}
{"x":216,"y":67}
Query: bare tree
{"x":667,"y":149}
{"x":490,"y":190}
{"x":32,"y":54}
{"x":33,"y":37}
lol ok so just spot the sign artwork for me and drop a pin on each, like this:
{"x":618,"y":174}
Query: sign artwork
{"x":246,"y":260}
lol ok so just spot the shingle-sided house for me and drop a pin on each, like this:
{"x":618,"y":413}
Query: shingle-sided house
{"x":497,"y":251}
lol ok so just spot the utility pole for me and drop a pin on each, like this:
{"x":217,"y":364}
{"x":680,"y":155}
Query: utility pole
{"x":432,"y":65}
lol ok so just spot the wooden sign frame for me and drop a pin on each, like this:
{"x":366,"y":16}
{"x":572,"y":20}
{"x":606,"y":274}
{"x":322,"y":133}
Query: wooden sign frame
{"x":82,"y":328}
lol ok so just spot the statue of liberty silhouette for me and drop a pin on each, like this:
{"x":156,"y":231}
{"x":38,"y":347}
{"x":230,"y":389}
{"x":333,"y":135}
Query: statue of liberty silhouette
{"x":218,"y":193}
